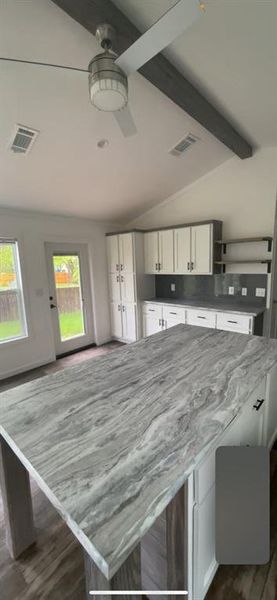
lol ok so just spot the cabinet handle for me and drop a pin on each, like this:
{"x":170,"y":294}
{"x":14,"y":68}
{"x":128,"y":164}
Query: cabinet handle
{"x":156,"y":266}
{"x":151,"y":309}
{"x":121,"y":267}
{"x":122,"y":278}
{"x":160,"y":322}
{"x":235,"y":322}
{"x":123,"y":308}
{"x":198,"y":317}
{"x":118,"y":307}
{"x":188,"y":266}
{"x":160,"y":266}
{"x":172,"y":313}
{"x":117,"y":278}
{"x":258,"y":404}
{"x":117,"y":267}
{"x":192,"y":266}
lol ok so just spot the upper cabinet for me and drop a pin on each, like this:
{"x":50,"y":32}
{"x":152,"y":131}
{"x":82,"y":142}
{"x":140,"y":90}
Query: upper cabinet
{"x":187,"y":250}
{"x":201,"y":250}
{"x":120,"y":253}
{"x":158,"y":251}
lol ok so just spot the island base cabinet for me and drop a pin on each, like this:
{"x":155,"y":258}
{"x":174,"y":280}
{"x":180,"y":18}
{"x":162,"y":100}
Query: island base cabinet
{"x":128,"y":577}
{"x":204,"y":563}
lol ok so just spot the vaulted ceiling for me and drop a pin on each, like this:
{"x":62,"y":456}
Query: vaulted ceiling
{"x":229,"y":54}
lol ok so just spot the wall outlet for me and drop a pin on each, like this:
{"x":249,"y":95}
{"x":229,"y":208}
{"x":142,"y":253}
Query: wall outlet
{"x":231,"y":290}
{"x":260,"y":292}
{"x":173,"y":287}
{"x":244,"y":291}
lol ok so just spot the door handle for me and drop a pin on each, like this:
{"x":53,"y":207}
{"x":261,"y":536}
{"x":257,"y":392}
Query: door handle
{"x":258,"y":404}
{"x":53,"y":305}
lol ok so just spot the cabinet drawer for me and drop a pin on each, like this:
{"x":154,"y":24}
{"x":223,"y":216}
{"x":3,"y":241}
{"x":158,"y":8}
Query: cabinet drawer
{"x":204,"y":318}
{"x":156,"y":310}
{"x":233,"y":322}
{"x":174,"y":312}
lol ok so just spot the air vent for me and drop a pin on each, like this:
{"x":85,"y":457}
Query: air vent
{"x":183,"y":145}
{"x":23,"y":139}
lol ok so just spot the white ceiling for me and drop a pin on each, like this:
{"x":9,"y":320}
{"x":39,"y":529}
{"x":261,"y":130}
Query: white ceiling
{"x":65,"y":172}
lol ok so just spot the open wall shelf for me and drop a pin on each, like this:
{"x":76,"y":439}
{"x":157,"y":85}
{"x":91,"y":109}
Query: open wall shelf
{"x":261,"y":261}
{"x":249,"y":240}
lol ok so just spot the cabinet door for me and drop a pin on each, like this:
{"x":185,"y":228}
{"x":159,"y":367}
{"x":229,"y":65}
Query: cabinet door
{"x":114,"y":287}
{"x":204,"y":563}
{"x":127,"y":285}
{"x":116,"y":319}
{"x":201,"y":249}
{"x":126,"y":255}
{"x":166,"y":251}
{"x":182,"y":250}
{"x":151,"y":325}
{"x":252,"y":420}
{"x":151,"y":252}
{"x":171,"y":322}
{"x":129,"y":322}
{"x":113,"y":253}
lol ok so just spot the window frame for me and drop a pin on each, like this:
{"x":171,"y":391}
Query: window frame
{"x":21,"y":298}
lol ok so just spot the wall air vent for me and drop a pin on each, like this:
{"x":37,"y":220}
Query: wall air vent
{"x":183,"y":145}
{"x":23,"y":139}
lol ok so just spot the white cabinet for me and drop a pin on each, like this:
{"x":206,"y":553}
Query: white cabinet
{"x":129,"y":322}
{"x":201,"y":249}
{"x":113,"y":253}
{"x":151,"y":325}
{"x":127,"y":287}
{"x":114,"y":287}
{"x":120,"y":253}
{"x":270,"y":415}
{"x":126,"y":257}
{"x":235,"y":322}
{"x":158,"y":251}
{"x":203,"y":318}
{"x":182,"y":255}
{"x":116,"y":319}
{"x":151,"y":252}
{"x":166,"y":251}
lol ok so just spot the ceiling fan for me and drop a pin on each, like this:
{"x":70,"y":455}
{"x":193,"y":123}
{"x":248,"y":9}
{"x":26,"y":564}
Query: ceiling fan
{"x":108,"y":73}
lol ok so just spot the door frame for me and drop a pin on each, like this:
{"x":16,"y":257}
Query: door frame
{"x":86,"y":339}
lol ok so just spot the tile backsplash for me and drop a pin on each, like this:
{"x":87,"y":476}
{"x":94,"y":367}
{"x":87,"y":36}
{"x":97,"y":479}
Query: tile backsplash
{"x":211,"y":286}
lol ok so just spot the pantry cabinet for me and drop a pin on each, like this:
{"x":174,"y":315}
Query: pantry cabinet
{"x":127,"y":284}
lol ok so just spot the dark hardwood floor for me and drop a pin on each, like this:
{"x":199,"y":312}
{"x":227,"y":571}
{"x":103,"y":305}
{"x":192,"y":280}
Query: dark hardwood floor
{"x":53,"y":568}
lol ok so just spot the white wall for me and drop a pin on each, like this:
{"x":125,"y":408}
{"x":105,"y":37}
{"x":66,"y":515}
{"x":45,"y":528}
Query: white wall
{"x":33,"y":231}
{"x":241,"y":193}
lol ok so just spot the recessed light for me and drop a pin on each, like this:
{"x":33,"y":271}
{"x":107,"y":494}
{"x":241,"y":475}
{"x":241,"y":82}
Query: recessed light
{"x":103,"y":143}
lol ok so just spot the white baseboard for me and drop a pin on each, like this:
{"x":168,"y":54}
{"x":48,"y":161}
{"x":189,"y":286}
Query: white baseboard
{"x":25,"y":368}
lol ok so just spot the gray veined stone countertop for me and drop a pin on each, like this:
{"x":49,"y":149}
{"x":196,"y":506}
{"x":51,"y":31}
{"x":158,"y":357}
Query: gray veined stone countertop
{"x":216,"y":304}
{"x":110,"y":441}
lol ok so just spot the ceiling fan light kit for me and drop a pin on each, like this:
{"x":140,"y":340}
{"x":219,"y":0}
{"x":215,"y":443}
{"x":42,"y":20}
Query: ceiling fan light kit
{"x":108,"y":84}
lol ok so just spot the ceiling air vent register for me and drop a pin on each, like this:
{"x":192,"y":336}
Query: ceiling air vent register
{"x":183,"y":145}
{"x":23,"y":139}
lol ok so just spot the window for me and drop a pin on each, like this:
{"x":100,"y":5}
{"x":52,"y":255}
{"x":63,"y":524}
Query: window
{"x":12,"y":312}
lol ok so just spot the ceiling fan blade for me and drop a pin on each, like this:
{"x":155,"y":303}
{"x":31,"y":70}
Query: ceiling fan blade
{"x":125,"y":121}
{"x":160,"y":35}
{"x":42,"y":64}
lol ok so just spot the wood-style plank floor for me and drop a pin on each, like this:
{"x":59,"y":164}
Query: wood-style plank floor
{"x":53,"y":568}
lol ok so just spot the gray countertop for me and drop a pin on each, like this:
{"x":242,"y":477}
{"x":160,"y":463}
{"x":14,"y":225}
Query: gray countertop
{"x":110,"y":441}
{"x":215,"y":304}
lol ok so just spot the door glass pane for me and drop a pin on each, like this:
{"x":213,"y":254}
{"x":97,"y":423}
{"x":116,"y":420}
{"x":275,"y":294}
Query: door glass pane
{"x":12,"y":312}
{"x":69,"y":295}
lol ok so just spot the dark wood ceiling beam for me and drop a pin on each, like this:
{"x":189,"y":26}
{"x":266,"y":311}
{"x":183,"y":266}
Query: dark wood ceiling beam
{"x":159,"y":71}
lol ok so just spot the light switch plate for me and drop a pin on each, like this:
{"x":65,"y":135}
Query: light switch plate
{"x":231,"y":290}
{"x":244,"y":291}
{"x":260,"y":292}
{"x":173,"y":287}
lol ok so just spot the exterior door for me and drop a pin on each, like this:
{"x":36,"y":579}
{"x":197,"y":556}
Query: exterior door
{"x":69,"y":296}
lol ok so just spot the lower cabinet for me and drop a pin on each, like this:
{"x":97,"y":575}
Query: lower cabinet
{"x":124,"y":323}
{"x":245,"y":429}
{"x":151,"y":324}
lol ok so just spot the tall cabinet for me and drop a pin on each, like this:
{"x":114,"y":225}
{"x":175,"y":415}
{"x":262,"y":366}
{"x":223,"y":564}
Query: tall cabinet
{"x":128,"y":285}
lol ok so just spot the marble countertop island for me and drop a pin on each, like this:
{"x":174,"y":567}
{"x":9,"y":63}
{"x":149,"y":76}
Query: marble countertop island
{"x":110,"y":441}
